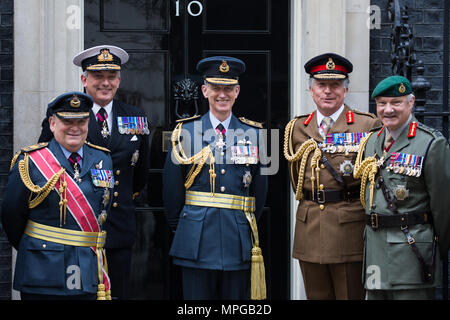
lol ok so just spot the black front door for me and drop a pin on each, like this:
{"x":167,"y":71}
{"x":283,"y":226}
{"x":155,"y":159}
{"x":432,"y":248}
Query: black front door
{"x":165,"y":40}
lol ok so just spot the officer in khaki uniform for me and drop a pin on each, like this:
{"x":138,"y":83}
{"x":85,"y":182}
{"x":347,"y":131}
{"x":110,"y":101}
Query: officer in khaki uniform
{"x":405,"y":168}
{"x":330,"y":219}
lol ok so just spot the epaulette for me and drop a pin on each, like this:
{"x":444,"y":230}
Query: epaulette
{"x":34,"y":147}
{"x":369,"y":114}
{"x":189,"y":119}
{"x":434,"y":132}
{"x":251,"y":123}
{"x":375,"y":129}
{"x":97,"y":147}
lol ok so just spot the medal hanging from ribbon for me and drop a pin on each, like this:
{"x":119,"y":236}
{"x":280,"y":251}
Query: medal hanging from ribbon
{"x":133,"y":125}
{"x":406,"y":164}
{"x":344,"y":142}
{"x":102,"y":178}
{"x":244,"y":153}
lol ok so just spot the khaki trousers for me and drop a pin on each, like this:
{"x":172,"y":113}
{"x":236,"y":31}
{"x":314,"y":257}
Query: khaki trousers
{"x":339,"y":281}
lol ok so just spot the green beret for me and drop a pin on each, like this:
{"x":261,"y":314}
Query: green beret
{"x":393,"y":86}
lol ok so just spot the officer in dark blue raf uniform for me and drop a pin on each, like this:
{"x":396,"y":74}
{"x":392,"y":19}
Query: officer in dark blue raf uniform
{"x":214,"y":192}
{"x":123,"y":129}
{"x":56,"y":201}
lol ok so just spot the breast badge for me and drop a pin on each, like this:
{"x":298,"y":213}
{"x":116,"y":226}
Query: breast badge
{"x":401,"y":193}
{"x":247,"y":179}
{"x":134,"y":158}
{"x":346,"y":168}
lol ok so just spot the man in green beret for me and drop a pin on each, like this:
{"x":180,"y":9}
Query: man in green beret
{"x":404,"y":167}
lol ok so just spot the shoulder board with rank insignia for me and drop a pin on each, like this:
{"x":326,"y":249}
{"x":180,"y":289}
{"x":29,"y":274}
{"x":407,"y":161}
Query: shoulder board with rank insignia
{"x":35,"y":147}
{"x":251,"y":122}
{"x":97,"y":147}
{"x":189,"y":119}
{"x":371,"y":115}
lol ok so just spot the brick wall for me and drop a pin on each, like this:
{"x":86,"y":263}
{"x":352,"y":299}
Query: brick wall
{"x":426,"y":21}
{"x":6,"y":130}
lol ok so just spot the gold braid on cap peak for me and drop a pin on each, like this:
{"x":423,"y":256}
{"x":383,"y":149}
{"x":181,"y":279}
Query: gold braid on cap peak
{"x":197,"y":160}
{"x":42,"y":192}
{"x":365,"y":169}
{"x":301,"y":154}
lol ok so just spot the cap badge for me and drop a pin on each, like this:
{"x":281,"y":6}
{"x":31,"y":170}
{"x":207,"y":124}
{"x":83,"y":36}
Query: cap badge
{"x":75,"y":102}
{"x":330,"y":64}
{"x":224,"y":67}
{"x":401,"y":88}
{"x":104,"y":56}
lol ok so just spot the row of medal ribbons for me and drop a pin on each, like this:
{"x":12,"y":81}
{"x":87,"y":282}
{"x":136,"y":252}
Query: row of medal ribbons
{"x":244,"y":154}
{"x":102,"y":178}
{"x":405,"y":163}
{"x":133,"y":125}
{"x":344,"y":142}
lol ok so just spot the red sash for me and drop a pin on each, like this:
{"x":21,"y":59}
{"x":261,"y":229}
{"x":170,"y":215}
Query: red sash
{"x":77,"y":203}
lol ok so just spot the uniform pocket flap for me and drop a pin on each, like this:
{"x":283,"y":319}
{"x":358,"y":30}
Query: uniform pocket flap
{"x":42,"y":245}
{"x":419,"y":233}
{"x":193,"y":213}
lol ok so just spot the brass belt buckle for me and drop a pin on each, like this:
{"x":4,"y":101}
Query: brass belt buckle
{"x":321,"y":196}
{"x":374,"y":220}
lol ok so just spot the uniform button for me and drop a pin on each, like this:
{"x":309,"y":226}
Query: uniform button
{"x":44,"y":246}
{"x":184,"y":214}
{"x":222,"y":153}
{"x":223,"y":171}
{"x":115,"y":205}
{"x":117,"y":172}
{"x":116,"y":183}
{"x":222,"y":189}
{"x":322,"y":207}
{"x":321,"y":187}
{"x":322,"y":166}
{"x":116,"y":194}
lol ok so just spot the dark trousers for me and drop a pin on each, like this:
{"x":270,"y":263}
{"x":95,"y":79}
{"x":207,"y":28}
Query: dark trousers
{"x":205,"y":284}
{"x":339,"y":281}
{"x":119,"y":266}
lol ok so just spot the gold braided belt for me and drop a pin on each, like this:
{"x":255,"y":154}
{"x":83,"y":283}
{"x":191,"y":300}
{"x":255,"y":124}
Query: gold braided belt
{"x":77,"y":239}
{"x":224,"y":201}
{"x":246,"y":204}
{"x":65,"y":236}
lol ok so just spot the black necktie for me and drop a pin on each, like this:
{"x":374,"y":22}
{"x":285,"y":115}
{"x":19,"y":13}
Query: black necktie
{"x":74,"y":160}
{"x":101,"y":118}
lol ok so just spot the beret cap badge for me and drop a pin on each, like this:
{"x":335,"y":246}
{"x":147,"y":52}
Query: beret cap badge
{"x":75,"y":102}
{"x":104,"y":55}
{"x":224,"y":67}
{"x":330,"y":64}
{"x":401,"y":88}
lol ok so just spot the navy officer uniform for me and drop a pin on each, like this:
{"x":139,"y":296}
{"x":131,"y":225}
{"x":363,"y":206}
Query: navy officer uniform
{"x":210,"y":198}
{"x":57,"y":257}
{"x":125,"y":133}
